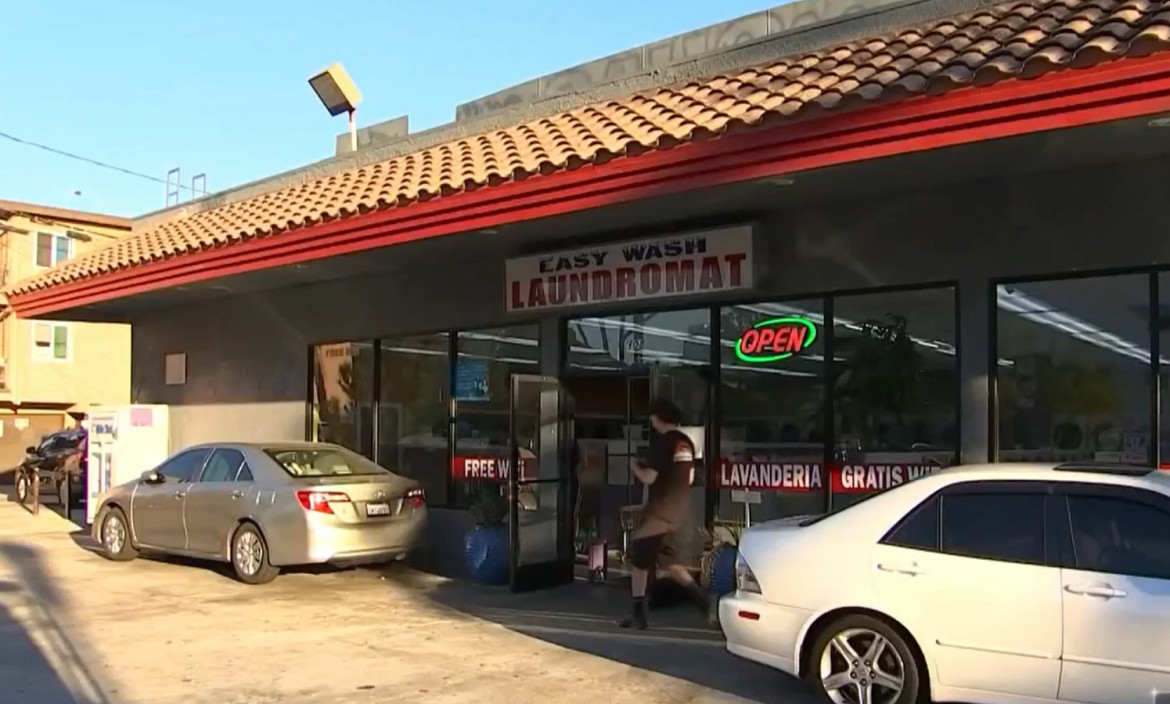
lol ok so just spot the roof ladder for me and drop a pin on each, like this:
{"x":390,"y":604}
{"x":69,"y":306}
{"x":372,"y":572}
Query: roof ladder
{"x":174,"y":184}
{"x":198,"y":186}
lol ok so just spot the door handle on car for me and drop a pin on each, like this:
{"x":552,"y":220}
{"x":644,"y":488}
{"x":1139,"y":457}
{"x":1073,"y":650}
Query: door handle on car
{"x":178,"y":494}
{"x":911,"y":569}
{"x":1103,"y":590}
{"x":237,"y":494}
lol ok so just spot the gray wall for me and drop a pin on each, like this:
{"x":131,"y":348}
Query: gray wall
{"x":247,"y":356}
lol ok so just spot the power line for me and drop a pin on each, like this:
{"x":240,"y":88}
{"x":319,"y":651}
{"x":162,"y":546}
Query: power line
{"x":94,"y":162}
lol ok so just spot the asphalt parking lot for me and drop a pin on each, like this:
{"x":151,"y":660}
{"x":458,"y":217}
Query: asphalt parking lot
{"x":77,"y":628}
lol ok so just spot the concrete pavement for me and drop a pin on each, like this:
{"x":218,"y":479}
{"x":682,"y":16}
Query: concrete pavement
{"x":75,"y":628}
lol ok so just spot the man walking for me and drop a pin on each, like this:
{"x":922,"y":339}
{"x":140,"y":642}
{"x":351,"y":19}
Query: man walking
{"x":668,"y":471}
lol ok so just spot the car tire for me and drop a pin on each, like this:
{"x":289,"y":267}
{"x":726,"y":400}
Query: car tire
{"x":63,"y":491}
{"x":114,"y":536}
{"x":22,"y":487}
{"x":249,"y":556}
{"x":894,"y":662}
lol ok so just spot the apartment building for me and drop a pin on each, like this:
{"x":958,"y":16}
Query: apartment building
{"x":52,"y":371}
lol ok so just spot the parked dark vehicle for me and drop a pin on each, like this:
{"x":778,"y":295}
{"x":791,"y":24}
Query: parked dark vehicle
{"x":60,"y":462}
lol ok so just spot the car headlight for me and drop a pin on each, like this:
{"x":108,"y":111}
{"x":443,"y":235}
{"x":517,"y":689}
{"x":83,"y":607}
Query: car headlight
{"x":745,"y":579}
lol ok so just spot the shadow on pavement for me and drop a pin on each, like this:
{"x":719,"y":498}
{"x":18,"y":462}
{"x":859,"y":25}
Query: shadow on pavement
{"x":582,"y":617}
{"x":40,"y":661}
{"x":83,"y":538}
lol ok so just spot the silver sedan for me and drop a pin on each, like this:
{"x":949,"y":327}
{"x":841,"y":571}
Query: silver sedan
{"x":261,"y":507}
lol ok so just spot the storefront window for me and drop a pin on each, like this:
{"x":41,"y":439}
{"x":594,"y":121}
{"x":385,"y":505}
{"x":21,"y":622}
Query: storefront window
{"x":895,"y":389}
{"x":343,"y":395}
{"x":1074,"y":370}
{"x":412,"y":410}
{"x":772,"y":398}
{"x":485,"y":363}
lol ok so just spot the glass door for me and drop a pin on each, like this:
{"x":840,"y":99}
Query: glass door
{"x":541,"y":440}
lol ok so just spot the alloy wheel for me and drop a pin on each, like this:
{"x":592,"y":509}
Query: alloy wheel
{"x":114,"y":534}
{"x":860,"y":666}
{"x":249,"y":552}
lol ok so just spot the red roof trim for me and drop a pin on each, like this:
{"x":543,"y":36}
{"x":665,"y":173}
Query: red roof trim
{"x":1116,"y":90}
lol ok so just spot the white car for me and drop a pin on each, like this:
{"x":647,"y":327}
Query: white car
{"x":992,"y":583}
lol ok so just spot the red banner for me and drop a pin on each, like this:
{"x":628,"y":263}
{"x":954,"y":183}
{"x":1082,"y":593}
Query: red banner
{"x":870,"y":478}
{"x":487,"y":468}
{"x":770,"y":476}
{"x":784,"y":477}
{"x":796,"y":477}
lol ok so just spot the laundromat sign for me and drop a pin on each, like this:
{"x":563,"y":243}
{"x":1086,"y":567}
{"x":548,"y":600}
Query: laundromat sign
{"x":712,"y":261}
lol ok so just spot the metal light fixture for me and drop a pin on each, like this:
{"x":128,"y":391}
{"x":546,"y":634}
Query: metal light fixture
{"x":338,"y":94}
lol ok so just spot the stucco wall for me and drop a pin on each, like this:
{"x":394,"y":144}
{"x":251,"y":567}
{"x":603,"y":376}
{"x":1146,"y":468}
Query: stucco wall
{"x":97,"y":370}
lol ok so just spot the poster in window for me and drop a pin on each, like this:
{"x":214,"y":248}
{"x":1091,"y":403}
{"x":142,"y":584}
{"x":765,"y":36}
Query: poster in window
{"x":471,"y":380}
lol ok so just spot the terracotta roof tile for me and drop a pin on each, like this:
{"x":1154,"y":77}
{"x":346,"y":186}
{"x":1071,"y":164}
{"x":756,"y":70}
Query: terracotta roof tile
{"x":1015,"y":39}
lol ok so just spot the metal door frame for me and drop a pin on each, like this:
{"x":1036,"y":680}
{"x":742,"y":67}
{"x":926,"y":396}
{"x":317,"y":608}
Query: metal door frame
{"x":526,"y":577}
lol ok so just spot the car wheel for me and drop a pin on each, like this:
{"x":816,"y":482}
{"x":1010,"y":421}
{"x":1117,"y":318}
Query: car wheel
{"x":249,"y":555}
{"x":860,"y":659}
{"x":115,"y":536}
{"x":63,"y":495}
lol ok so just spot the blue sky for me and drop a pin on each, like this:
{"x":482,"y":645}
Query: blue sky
{"x":220,"y":87}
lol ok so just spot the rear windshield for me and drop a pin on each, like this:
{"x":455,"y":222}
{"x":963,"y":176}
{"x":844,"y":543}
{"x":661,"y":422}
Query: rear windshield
{"x":323,"y":462}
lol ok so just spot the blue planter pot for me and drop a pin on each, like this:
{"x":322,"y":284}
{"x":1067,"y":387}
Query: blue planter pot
{"x":486,"y":548}
{"x":722,"y":577}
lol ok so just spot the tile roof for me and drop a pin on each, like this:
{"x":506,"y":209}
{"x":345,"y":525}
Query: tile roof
{"x":1010,"y":40}
{"x":65,"y":214}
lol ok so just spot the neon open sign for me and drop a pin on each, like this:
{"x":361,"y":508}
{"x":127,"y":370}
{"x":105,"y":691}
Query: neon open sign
{"x":775,"y":339}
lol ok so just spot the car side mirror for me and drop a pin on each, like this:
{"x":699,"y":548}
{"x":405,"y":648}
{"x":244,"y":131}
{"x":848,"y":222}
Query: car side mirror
{"x":152,"y":476}
{"x":31,"y":450}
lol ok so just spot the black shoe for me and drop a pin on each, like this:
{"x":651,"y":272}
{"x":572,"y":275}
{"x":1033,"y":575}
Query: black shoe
{"x":637,"y":618}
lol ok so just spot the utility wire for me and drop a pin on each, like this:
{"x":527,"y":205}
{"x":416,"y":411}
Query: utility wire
{"x":87,"y":160}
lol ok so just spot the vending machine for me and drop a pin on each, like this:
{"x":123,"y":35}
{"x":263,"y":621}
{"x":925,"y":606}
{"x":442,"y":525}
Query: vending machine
{"x":124,"y":442}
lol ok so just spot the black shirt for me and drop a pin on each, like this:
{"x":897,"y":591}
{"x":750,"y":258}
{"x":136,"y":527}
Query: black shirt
{"x":672,"y":456}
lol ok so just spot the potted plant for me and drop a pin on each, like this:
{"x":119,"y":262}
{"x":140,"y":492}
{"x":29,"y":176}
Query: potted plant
{"x":721,"y":565}
{"x":486,"y":544}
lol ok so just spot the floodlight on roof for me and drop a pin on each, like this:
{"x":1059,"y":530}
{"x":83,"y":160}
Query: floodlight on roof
{"x":339,"y":94}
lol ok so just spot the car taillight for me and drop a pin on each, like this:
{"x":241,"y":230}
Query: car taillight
{"x":745,"y":579}
{"x":319,"y":500}
{"x":416,"y":497}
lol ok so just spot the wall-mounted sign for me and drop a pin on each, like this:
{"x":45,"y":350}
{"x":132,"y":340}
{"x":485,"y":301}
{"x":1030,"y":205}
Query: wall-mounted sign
{"x":711,"y":261}
{"x":176,"y":369}
{"x":775,"y":339}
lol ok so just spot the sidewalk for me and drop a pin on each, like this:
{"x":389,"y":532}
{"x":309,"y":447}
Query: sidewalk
{"x":77,"y":628}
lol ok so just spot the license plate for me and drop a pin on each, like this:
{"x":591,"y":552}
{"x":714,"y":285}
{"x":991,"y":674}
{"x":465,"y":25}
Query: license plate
{"x":377,"y":509}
